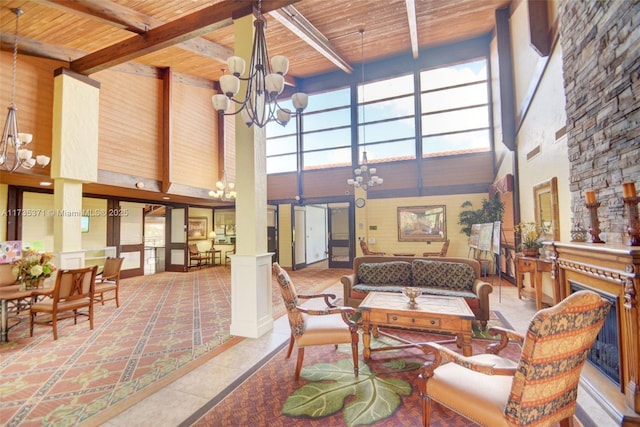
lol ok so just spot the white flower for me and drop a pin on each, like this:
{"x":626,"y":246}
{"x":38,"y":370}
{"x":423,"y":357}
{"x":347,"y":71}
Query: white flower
{"x":35,"y":271}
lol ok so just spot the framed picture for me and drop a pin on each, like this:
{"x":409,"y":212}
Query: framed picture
{"x":422,"y":224}
{"x":197,"y":228}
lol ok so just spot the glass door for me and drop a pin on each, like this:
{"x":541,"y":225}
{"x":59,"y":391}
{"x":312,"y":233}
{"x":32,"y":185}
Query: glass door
{"x":340,"y":232}
{"x":176,"y":239}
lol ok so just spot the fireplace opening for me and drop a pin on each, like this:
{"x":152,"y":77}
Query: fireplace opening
{"x":604,"y":353}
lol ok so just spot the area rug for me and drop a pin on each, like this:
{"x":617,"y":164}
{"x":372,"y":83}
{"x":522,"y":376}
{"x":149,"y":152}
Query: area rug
{"x":328,"y":394}
{"x":166,"y":325}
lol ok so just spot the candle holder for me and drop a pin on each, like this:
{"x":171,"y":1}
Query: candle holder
{"x":594,"y":229}
{"x":633,"y":227}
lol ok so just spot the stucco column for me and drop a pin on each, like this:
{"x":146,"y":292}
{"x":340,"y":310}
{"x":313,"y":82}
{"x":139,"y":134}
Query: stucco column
{"x":251,"y":304}
{"x":74,"y":159}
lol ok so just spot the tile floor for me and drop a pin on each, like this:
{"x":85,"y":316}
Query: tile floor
{"x":176,"y":402}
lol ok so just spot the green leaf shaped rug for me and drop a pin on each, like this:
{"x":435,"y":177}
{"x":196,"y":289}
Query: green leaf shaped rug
{"x":375,"y":395}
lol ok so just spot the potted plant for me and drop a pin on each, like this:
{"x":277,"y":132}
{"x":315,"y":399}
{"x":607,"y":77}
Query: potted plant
{"x":491,"y":211}
{"x":530,"y":242}
{"x":32,"y":268}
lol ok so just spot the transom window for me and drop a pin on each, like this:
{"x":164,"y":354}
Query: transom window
{"x":455,"y":109}
{"x":454,"y":118}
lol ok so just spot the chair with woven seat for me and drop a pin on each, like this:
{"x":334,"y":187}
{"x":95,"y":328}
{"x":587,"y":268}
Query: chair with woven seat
{"x":309,"y":327}
{"x":73,"y":291}
{"x":108,"y":281}
{"x":442,"y":253}
{"x":197,"y":257}
{"x":227,"y":253}
{"x":366,"y":251}
{"x":540,"y":389}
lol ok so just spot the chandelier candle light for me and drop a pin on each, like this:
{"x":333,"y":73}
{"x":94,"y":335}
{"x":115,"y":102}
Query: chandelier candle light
{"x":12,"y":139}
{"x":264,"y":83}
{"x":364,"y":176}
{"x":224,"y":190}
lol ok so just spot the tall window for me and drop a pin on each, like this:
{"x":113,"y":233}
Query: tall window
{"x":326,"y":135}
{"x":455,"y":109}
{"x":281,"y":144}
{"x":388,"y":125}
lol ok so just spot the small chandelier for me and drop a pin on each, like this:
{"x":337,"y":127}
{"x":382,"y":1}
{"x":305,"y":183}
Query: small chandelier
{"x":264,"y":83}
{"x":224,"y":190}
{"x":364,"y":176}
{"x":11,"y":137}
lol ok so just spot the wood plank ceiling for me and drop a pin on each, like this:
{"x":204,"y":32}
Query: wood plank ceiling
{"x":193,"y":38}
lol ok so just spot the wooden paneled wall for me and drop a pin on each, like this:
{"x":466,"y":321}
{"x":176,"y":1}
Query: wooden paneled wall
{"x":34,"y":96}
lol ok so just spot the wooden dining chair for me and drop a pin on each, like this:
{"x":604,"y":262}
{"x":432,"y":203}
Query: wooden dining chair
{"x":72,"y":292}
{"x":108,"y":281}
{"x":197,"y":257}
{"x":227,"y":253}
{"x":441,"y":253}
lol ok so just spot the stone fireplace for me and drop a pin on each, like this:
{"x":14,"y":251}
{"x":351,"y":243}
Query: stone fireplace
{"x":600,"y":50}
{"x":612,"y":376}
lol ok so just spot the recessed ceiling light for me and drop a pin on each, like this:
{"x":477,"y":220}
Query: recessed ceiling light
{"x":165,"y":198}
{"x":45,"y":183}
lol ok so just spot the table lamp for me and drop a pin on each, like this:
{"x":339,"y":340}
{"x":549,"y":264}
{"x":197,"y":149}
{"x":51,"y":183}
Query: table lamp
{"x":212,"y":236}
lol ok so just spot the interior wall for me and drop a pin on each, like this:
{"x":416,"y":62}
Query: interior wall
{"x":541,"y":149}
{"x":381,"y":219}
{"x":285,"y":235}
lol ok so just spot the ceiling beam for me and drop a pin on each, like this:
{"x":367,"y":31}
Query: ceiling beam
{"x":43,"y":50}
{"x":413,"y":27}
{"x":107,"y":12}
{"x":300,"y":26}
{"x":188,"y":27}
{"x":113,"y":14}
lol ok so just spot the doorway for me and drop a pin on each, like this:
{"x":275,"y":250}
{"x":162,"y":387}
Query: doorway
{"x":323,"y":232}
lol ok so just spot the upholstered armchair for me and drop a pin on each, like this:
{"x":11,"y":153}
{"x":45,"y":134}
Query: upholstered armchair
{"x":330,"y":325}
{"x":540,"y":389}
{"x":442,"y":253}
{"x":365,"y":249}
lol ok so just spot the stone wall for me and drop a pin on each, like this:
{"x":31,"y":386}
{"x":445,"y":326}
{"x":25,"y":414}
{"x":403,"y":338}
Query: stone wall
{"x":601,"y":54}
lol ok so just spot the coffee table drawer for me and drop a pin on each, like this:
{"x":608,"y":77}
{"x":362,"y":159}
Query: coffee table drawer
{"x":410,"y":321}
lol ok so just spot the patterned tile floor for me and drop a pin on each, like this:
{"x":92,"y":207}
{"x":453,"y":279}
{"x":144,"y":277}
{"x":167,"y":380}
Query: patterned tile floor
{"x":177,"y":401}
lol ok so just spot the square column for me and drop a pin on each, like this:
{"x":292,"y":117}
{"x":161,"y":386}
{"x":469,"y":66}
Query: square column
{"x":251,"y":296}
{"x":251,"y":304}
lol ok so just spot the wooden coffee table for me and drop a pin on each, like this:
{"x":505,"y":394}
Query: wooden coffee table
{"x":431,"y":313}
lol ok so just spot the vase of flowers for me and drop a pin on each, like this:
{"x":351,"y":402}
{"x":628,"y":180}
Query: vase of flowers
{"x":530,"y":234}
{"x":33,"y":268}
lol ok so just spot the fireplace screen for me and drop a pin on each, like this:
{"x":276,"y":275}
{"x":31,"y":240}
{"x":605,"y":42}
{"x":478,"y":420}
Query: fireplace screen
{"x":604,"y":354}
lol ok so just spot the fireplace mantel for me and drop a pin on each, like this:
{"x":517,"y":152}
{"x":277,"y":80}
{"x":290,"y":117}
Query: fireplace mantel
{"x":613,"y":270}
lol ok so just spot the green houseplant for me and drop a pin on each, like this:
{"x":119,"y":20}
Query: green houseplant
{"x":491,"y":211}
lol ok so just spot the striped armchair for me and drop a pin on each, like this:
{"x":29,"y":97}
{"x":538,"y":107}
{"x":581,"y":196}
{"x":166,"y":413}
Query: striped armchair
{"x":538,"y":390}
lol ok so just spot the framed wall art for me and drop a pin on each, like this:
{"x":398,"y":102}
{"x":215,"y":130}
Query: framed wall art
{"x":422,"y":224}
{"x":197,"y":228}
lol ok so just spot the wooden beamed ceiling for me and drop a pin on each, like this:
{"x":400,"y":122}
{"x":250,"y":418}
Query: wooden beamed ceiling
{"x":196,"y":37}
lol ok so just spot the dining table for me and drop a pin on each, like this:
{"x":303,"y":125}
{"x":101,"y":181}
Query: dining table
{"x":16,"y":293}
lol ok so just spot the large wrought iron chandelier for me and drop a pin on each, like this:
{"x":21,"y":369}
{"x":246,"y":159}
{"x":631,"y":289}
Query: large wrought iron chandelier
{"x":364,"y":176}
{"x":13,"y":151}
{"x":265,"y":82}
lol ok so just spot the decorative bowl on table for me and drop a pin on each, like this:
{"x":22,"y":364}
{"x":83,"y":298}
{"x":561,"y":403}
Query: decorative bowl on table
{"x":412,"y":293}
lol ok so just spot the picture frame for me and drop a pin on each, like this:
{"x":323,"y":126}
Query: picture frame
{"x":197,"y":228}
{"x":422,"y":223}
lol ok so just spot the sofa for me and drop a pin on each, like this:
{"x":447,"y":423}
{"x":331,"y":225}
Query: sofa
{"x":446,"y":276}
